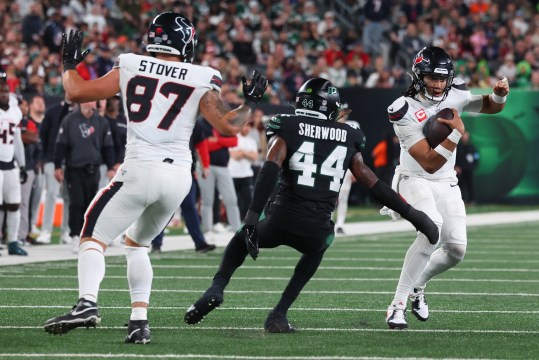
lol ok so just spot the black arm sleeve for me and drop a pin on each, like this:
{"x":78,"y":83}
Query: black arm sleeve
{"x":386,"y":196}
{"x":265,"y":183}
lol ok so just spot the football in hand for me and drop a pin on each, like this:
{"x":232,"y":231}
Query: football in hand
{"x":435,"y":131}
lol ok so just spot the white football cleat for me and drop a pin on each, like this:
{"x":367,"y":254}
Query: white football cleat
{"x":396,"y":318}
{"x":44,"y":237}
{"x":420,"y":308}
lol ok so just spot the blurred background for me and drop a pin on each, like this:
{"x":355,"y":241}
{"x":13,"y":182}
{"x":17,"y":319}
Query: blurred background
{"x":364,"y":47}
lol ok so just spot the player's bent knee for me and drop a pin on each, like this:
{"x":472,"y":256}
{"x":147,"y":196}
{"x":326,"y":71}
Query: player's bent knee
{"x":457,"y":252}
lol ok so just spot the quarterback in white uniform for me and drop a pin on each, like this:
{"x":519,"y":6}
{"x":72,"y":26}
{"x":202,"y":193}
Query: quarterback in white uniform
{"x":11,"y":154}
{"x":426,"y":178}
{"x":162,"y":93}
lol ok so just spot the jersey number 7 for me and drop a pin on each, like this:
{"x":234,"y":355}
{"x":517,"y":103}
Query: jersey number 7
{"x":140,"y":93}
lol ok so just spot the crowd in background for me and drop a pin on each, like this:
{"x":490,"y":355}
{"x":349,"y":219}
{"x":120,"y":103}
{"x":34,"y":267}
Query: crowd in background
{"x":288,"y":41}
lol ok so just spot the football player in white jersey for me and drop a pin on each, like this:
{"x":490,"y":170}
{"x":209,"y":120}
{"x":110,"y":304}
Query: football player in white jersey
{"x":162,"y":93}
{"x":11,"y":156}
{"x":426,"y":178}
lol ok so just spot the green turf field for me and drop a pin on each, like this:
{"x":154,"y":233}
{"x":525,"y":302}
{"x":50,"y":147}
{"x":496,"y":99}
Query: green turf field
{"x":486,"y":308}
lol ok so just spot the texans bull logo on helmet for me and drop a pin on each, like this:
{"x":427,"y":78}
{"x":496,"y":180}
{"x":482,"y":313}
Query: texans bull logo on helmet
{"x":186,"y":29}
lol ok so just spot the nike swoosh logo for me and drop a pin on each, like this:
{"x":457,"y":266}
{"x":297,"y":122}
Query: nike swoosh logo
{"x":453,"y":185}
{"x":75,"y":313}
{"x":390,"y":109}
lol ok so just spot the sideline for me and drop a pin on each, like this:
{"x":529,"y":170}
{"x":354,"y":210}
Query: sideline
{"x":41,"y":253}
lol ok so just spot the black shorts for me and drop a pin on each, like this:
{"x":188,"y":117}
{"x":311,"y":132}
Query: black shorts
{"x":281,"y":228}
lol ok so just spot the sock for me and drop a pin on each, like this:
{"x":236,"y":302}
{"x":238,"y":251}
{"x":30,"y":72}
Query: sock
{"x":91,"y":270}
{"x":13,"y":219}
{"x":415,"y":261}
{"x":139,"y":273}
{"x":139,"y":313}
{"x":441,"y":260}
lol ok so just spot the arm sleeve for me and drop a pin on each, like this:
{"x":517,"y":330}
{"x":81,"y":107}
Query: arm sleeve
{"x":265,"y":184}
{"x":19,"y":148}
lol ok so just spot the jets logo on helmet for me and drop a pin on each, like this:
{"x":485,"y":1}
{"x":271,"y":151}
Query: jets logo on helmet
{"x":318,"y":98}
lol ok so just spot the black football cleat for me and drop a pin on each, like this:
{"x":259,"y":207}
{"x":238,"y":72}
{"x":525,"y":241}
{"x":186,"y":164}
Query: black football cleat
{"x":211,"y":299}
{"x":138,"y":332}
{"x":84,"y":314}
{"x":205,"y":248}
{"x":276,"y":322}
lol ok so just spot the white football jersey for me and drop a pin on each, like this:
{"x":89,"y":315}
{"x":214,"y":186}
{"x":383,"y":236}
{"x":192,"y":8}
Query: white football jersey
{"x":9,"y":122}
{"x":408,"y":117}
{"x":161,"y":100}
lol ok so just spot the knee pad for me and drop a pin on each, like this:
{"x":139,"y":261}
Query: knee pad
{"x":457,"y":252}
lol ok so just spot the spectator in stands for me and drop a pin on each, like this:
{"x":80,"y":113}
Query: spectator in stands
{"x":377,"y":14}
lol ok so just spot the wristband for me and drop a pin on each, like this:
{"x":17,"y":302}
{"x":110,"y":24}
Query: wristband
{"x":455,"y":136}
{"x":69,"y":66}
{"x":498,"y":99}
{"x":443,"y":152}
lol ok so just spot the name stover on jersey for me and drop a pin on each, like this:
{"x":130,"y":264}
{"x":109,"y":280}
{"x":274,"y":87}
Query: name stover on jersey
{"x":322,"y":132}
{"x":162,"y":69}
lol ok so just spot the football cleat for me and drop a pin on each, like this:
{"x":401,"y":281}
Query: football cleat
{"x":205,"y":248}
{"x":420,"y":308}
{"x":212,"y":298}
{"x":396,"y":318}
{"x":13,"y":248}
{"x":276,"y":322}
{"x":85,"y":313}
{"x":138,"y":332}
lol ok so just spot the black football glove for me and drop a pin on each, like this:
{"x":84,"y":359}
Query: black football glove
{"x":72,"y":53}
{"x":23,"y":174}
{"x":250,"y":236}
{"x":253,"y":91}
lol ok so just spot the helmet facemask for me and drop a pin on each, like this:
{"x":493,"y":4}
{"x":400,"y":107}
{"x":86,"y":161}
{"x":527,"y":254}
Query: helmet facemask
{"x":435,"y":62}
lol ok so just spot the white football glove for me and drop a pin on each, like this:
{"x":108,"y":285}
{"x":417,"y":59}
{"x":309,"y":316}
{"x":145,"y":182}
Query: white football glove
{"x":393,"y":214}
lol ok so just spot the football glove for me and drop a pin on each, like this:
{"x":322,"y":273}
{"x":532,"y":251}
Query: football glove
{"x":253,"y":91}
{"x":250,"y":236}
{"x":23,"y":174}
{"x":393,"y":214}
{"x":72,"y":53}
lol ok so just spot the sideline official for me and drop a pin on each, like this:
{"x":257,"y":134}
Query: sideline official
{"x":84,"y":141}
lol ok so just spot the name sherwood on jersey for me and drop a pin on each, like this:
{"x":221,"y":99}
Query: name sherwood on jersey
{"x":322,"y":132}
{"x":162,"y":69}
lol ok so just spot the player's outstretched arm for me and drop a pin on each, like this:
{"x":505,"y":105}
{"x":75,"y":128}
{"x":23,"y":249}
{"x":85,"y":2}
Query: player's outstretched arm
{"x":386,"y":196}
{"x":77,"y":89}
{"x":219,"y":114}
